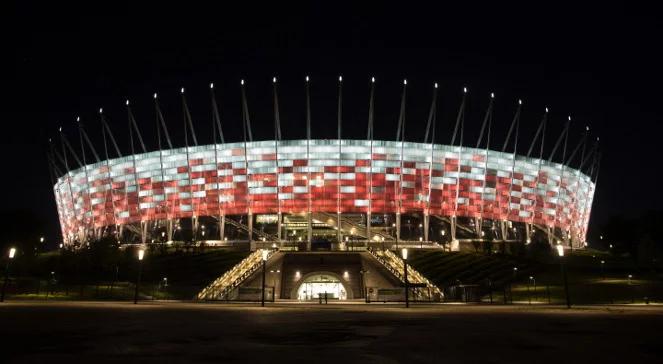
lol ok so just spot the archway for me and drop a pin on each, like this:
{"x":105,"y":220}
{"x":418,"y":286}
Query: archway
{"x":319,"y":283}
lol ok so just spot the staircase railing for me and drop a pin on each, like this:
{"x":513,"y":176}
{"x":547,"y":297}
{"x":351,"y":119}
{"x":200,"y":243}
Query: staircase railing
{"x":360,"y":230}
{"x":221,"y":287}
{"x":257,"y":232}
{"x":395,"y":265}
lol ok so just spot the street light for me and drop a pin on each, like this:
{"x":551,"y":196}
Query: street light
{"x":602,"y":271}
{"x":265,"y":254}
{"x":11,"y":254}
{"x":141,"y":255}
{"x":560,"y":252}
{"x":407,"y":297}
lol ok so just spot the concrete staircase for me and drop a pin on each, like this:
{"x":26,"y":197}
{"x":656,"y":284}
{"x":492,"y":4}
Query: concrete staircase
{"x":223,"y":286}
{"x":394,"y":264}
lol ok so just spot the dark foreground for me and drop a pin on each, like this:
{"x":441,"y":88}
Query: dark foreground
{"x":182,"y":332}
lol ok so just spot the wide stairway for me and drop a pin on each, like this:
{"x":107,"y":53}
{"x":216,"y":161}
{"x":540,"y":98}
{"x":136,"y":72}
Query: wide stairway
{"x":224,"y":285}
{"x":394,"y":264}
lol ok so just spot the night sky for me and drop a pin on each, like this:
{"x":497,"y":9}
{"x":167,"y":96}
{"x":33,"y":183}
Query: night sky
{"x":601,"y":65}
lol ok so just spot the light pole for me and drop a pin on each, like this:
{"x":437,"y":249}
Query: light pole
{"x":141,"y":255}
{"x":560,"y":252}
{"x":12,"y":252}
{"x":602,"y":271}
{"x":407,"y":296}
{"x":531,"y":280}
{"x":265,"y":253}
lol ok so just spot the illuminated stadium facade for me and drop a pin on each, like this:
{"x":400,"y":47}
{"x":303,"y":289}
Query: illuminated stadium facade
{"x":291,"y":193}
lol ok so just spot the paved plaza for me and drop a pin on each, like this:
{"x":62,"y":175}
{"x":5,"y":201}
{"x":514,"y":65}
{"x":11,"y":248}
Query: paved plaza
{"x":334,"y":333}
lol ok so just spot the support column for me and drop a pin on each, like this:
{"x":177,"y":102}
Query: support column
{"x":478,"y":226}
{"x":398,"y":228}
{"x":426,"y":225}
{"x":454,"y":246}
{"x":551,"y":237}
{"x":503,"y":230}
{"x":278,"y":226}
{"x":194,"y":228}
{"x":528,"y":233}
{"x":309,"y":231}
{"x":143,"y":231}
{"x":169,"y":228}
{"x":222,"y":227}
{"x":339,"y":235}
{"x":250,"y":225}
{"x":368,"y":226}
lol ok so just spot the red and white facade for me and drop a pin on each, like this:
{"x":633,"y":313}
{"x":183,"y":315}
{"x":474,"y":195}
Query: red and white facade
{"x":350,"y":176}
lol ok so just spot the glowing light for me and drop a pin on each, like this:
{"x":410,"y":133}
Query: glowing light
{"x":492,"y":95}
{"x":464,"y":90}
{"x":435,"y":85}
{"x":373,"y":79}
{"x":586,"y":127}
{"x":155,"y":95}
{"x":274,"y":80}
{"x":346,"y":275}
{"x":60,"y":129}
{"x":241,"y":82}
{"x":520,"y":102}
{"x":405,"y":82}
{"x":404,"y":253}
{"x":211,"y":85}
{"x":546,"y":109}
{"x":141,"y":254}
{"x":182,"y":90}
{"x":126,"y":102}
{"x":265,"y":254}
{"x":307,"y":79}
{"x":340,"y":78}
{"x":78,"y":119}
{"x":560,"y":250}
{"x":101,"y":110}
{"x":569,"y":117}
{"x":12,"y":252}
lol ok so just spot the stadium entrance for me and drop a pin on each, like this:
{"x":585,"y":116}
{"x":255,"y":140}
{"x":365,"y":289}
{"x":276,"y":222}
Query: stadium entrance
{"x":318,"y":284}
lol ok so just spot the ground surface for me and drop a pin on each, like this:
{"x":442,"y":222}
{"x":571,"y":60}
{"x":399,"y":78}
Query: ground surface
{"x":340,"y":333}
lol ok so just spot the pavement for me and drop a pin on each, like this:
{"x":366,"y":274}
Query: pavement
{"x":41,"y":331}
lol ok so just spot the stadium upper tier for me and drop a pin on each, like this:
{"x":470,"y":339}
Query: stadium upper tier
{"x":357,"y":176}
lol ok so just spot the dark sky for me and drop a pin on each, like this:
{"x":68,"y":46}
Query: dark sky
{"x":601,"y":64}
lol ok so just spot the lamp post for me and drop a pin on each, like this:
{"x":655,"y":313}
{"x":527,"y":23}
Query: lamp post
{"x":12,"y":252}
{"x":407,"y":296}
{"x":265,"y":253}
{"x":141,"y":255}
{"x":532,"y":280}
{"x":560,"y":252}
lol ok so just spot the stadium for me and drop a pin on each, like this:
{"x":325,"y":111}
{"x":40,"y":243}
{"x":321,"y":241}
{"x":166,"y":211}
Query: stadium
{"x":334,"y":195}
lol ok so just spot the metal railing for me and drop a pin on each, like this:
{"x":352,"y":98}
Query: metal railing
{"x":224,"y":285}
{"x":394,"y":264}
